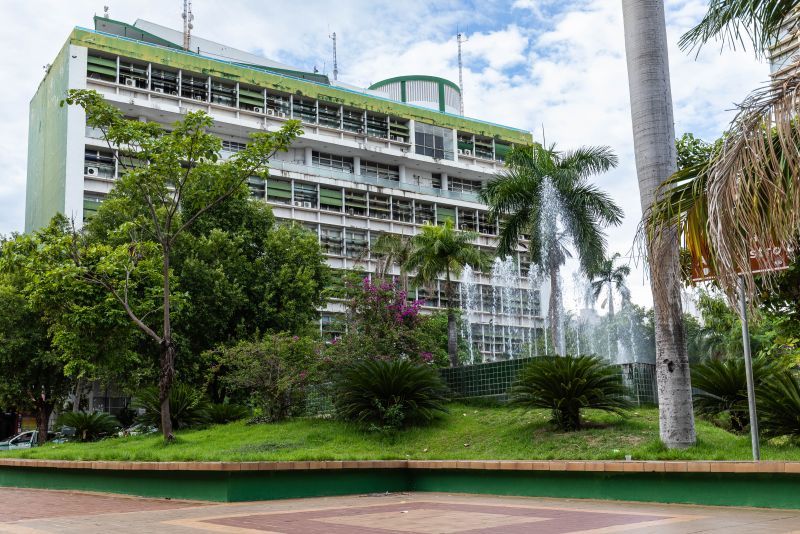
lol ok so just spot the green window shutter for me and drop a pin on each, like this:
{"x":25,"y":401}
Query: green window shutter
{"x":103,"y":62}
{"x":445,"y":214}
{"x":279,"y":189}
{"x":330,"y":197}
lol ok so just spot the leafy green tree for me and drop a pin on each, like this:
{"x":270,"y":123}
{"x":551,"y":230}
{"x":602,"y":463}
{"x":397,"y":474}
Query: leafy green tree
{"x":54,"y":329}
{"x":165,"y":172}
{"x":542,"y":184}
{"x":443,"y":251}
{"x":393,"y":249}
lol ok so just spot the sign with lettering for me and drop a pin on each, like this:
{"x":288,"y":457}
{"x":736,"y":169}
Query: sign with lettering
{"x":763,"y":258}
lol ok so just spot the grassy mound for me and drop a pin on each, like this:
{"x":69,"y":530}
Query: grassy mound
{"x":466,"y":432}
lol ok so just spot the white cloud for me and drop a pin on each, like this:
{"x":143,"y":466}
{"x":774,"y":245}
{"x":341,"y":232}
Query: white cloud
{"x":561,"y":69}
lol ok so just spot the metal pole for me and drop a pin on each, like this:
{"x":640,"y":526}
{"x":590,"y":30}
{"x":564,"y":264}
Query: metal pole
{"x":748,"y":366}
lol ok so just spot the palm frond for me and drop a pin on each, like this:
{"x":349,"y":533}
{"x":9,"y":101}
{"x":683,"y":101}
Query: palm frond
{"x":742,"y":22}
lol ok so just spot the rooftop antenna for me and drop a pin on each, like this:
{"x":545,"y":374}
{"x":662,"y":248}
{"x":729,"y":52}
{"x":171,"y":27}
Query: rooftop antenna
{"x":188,"y":18}
{"x":335,"y":64}
{"x":105,"y":11}
{"x":460,"y":38}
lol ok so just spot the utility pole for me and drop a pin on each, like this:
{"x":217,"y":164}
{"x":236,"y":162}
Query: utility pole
{"x":188,"y":17}
{"x":460,"y":38}
{"x":335,"y":64}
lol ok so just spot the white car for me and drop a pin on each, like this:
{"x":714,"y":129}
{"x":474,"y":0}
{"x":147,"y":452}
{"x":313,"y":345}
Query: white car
{"x":23,"y":440}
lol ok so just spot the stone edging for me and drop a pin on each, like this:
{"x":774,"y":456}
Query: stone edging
{"x":497,"y":465}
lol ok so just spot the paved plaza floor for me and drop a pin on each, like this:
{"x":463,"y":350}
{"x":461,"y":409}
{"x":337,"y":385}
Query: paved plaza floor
{"x":36,"y":511}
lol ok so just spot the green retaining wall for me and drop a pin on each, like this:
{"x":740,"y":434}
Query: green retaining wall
{"x":220,"y":486}
{"x":772,"y":490}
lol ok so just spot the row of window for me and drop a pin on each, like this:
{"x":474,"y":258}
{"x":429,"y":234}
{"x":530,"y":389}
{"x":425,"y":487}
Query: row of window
{"x":429,"y":140}
{"x":368,"y":204}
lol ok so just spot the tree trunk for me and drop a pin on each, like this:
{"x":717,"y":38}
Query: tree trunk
{"x":452,"y":331}
{"x":613,"y":346}
{"x":43,"y":411}
{"x":552,"y":312}
{"x":167,"y":357}
{"x":656,"y":159}
{"x":610,"y":301}
{"x":452,"y":337}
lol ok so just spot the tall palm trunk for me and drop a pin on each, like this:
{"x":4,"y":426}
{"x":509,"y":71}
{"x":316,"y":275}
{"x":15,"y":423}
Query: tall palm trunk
{"x":552,"y":311}
{"x":654,"y":145}
{"x":452,"y":331}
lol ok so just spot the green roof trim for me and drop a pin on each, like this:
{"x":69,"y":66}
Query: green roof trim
{"x":130,"y":27}
{"x":415,"y":77}
{"x":181,"y":59}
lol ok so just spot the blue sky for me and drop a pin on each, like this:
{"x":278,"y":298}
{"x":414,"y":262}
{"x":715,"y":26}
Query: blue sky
{"x":542,"y":65}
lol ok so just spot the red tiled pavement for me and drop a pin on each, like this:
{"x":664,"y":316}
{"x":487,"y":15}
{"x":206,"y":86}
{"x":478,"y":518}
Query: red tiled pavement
{"x":17,"y":504}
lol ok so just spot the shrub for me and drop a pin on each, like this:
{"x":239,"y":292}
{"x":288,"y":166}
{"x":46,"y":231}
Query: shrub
{"x":187,"y":407}
{"x":721,"y":387}
{"x":389,"y":394}
{"x":89,"y":426}
{"x":568,"y":384}
{"x":222,"y":413}
{"x":779,"y":405}
{"x":271,"y":373}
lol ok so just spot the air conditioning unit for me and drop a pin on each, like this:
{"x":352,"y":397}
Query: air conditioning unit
{"x":298,"y":203}
{"x":467,"y":152}
{"x":174,"y":93}
{"x":130,"y":82}
{"x":398,"y":138}
{"x":158,"y":89}
{"x":282,"y":114}
{"x":351,"y":211}
{"x":271,"y":112}
{"x":460,"y":151}
{"x":92,"y":171}
{"x":198,"y":97}
{"x":306,"y":204}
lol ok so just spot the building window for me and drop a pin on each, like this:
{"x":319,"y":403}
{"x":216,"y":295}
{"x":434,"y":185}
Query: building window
{"x":330,"y":199}
{"x":305,"y":195}
{"x":485,"y":224}
{"x":330,"y":239}
{"x":380,"y":170}
{"x":232,"y":146}
{"x":332,"y":326}
{"x":464,"y":185}
{"x":251,"y":99}
{"x":355,"y":203}
{"x":355,"y":243}
{"x":257,"y":186}
{"x":164,"y":81}
{"x":305,"y":110}
{"x":433,"y":141}
{"x":332,"y":161}
{"x":467,"y":220}
{"x":378,"y":206}
{"x":423,"y":212}
{"x":279,"y":104}
{"x":445,"y":213}
{"x":91,"y":203}
{"x":194,"y":87}
{"x":377,"y":126}
{"x":133,"y":75}
{"x":223,"y":94}
{"x":279,"y":191}
{"x":436,"y":180}
{"x":101,"y":68}
{"x":98,"y":164}
{"x":402,"y":210}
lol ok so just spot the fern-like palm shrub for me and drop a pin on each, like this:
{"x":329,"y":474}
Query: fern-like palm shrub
{"x":89,"y":426}
{"x":389,"y":394}
{"x":222,"y":413}
{"x":568,"y":384}
{"x":779,"y":405}
{"x":721,"y":387}
{"x":188,"y":407}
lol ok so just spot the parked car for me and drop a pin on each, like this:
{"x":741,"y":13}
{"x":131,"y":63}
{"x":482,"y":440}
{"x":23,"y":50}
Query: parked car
{"x":26,"y":440}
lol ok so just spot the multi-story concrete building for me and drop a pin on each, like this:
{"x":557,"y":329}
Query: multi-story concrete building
{"x":386,"y":159}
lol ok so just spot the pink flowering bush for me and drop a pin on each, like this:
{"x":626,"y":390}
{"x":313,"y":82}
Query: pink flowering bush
{"x":383,"y":324}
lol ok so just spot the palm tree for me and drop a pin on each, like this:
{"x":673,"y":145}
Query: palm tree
{"x":751,"y":184}
{"x":654,"y":145}
{"x":607,"y":277}
{"x":545,"y":194}
{"x":392,"y":249}
{"x":443,"y":251}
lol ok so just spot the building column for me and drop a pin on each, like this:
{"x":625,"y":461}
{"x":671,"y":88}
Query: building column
{"x":308,"y":158}
{"x":357,"y":165}
{"x":445,"y":183}
{"x":455,"y":145}
{"x":403,"y":174}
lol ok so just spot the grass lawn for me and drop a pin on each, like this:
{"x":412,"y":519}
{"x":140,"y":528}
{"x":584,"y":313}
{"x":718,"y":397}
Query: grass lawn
{"x":467,"y":432}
